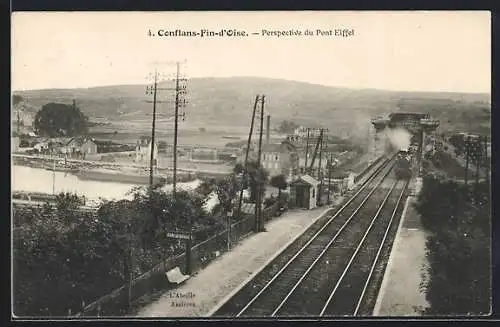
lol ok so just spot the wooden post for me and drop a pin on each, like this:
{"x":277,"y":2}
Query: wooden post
{"x":229,"y":215}
{"x":330,"y":177}
{"x":176,"y":123}
{"x":258,"y":205}
{"x":320,"y":172}
{"x":307,"y":150}
{"x":151,"y":159}
{"x":246,"y":155}
{"x":189,"y":247}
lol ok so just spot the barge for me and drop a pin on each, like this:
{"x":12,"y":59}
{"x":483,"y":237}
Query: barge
{"x":107,"y":175}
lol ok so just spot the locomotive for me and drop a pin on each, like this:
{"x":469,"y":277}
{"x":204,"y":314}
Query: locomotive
{"x":403,"y":167}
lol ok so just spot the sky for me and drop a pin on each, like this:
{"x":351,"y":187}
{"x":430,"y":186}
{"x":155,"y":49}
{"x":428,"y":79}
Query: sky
{"x":413,"y":51}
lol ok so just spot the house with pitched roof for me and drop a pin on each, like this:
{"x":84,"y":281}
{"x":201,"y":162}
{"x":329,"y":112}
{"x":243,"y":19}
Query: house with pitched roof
{"x":143,"y":149}
{"x":80,"y":147}
{"x":280,"y":158}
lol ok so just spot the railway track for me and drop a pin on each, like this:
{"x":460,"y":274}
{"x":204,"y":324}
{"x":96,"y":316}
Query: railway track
{"x":340,"y":259}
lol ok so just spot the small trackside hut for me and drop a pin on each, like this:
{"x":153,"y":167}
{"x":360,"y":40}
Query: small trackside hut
{"x":304,"y":192}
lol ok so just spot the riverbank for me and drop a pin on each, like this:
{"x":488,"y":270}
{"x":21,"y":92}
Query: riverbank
{"x":37,"y":180}
{"x":75,"y":166}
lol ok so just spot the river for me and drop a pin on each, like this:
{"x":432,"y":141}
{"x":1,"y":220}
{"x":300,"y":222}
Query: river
{"x":41,"y":180}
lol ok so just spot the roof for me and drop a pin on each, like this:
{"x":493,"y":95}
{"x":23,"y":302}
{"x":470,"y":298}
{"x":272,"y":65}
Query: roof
{"x":397,"y":116}
{"x":103,"y":142}
{"x":340,"y":175}
{"x":307,"y":179}
{"x":284,"y":146}
{"x":272,"y":148}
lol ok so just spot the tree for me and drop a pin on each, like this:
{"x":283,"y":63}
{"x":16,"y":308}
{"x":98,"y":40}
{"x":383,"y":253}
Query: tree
{"x":287,"y":127}
{"x":227,"y":190}
{"x":207,"y":186}
{"x":458,"y":246}
{"x":61,"y":258}
{"x":16,"y":99}
{"x":279,"y":181}
{"x":57,"y":119}
{"x":238,"y":168}
{"x":256,"y":175}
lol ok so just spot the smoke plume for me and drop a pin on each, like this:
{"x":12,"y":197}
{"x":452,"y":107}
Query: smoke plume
{"x":399,"y":138}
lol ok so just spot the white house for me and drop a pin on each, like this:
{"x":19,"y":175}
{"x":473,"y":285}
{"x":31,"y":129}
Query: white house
{"x":143,"y":149}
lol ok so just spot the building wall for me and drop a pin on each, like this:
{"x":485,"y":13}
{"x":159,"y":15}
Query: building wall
{"x":313,"y":194}
{"x":276,"y":163}
{"x":89,"y":147}
{"x":143,"y":152}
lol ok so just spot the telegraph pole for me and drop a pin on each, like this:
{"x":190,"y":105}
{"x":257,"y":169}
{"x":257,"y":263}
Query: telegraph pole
{"x":307,"y":149}
{"x":151,"y":159}
{"x":180,"y":101}
{"x":257,"y":98}
{"x":330,"y":176}
{"x":320,"y":173}
{"x":179,"y":90}
{"x":258,"y":211}
{"x":153,"y":90}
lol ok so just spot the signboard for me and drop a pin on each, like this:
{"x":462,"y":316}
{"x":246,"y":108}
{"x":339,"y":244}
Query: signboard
{"x":179,"y":235}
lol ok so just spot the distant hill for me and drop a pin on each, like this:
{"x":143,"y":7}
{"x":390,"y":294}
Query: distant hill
{"x":229,"y":101}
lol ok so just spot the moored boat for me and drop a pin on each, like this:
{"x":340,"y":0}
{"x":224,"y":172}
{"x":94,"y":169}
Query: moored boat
{"x":106,"y":175}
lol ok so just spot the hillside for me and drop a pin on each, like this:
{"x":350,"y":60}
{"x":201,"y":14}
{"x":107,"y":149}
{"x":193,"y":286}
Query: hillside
{"x":228,"y":102}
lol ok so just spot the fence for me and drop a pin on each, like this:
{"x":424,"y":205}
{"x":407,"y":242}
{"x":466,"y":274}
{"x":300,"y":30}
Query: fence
{"x":116,"y":302}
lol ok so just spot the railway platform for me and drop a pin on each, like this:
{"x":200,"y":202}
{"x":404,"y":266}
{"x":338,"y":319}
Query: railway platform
{"x":200,"y":294}
{"x":400,"y":293}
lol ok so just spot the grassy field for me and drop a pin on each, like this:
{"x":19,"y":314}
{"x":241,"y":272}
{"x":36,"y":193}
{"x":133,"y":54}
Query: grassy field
{"x":189,"y":133}
{"x":225,"y":105}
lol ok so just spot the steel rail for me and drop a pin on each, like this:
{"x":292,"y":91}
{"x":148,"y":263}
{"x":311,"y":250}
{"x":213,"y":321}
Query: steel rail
{"x":375,"y":261}
{"x":377,"y":214}
{"x":389,"y":162}
{"x":331,"y":242}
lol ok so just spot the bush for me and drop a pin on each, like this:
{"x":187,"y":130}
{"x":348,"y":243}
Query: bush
{"x":457,"y":217}
{"x":64,"y":256}
{"x":269,"y":202}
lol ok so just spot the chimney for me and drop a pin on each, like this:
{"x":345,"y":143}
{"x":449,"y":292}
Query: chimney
{"x":268,"y":128}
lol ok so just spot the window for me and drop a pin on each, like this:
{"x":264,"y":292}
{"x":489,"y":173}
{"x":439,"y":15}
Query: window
{"x":276,"y":158}
{"x":314,"y":192}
